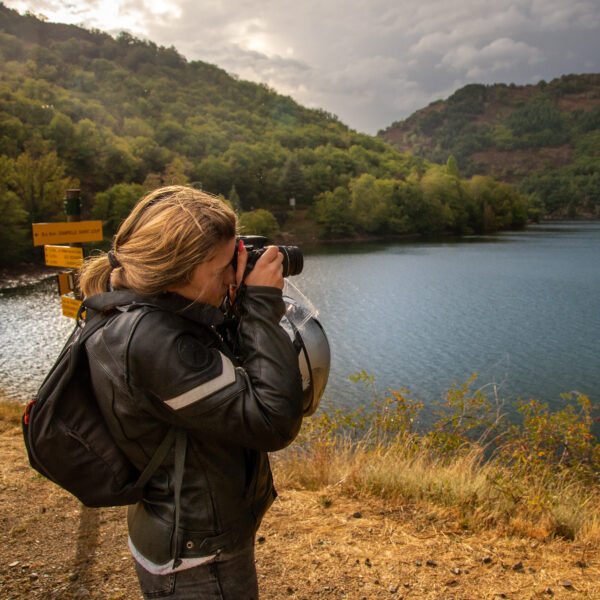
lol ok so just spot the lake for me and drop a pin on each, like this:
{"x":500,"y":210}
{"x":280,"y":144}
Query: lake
{"x":522,"y":310}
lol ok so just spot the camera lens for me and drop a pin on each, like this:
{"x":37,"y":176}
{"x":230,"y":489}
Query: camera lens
{"x":293,"y":262}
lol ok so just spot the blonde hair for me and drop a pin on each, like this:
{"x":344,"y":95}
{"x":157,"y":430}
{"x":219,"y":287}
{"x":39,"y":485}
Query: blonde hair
{"x":167,"y":234}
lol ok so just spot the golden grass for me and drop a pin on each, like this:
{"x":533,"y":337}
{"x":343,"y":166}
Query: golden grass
{"x":10,"y":414}
{"x":477,"y":494}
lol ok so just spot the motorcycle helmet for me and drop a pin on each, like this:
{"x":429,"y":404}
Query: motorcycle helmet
{"x":306,"y":332}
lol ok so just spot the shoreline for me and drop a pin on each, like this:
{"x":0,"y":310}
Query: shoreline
{"x":23,"y":274}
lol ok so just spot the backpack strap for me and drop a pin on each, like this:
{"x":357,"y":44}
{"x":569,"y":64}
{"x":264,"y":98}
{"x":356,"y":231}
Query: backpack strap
{"x":159,"y":456}
{"x":99,"y":303}
{"x":180,"y":449}
{"x":179,"y":437}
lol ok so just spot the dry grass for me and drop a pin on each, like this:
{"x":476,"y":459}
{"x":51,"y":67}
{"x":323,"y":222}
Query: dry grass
{"x":10,"y":415}
{"x":352,"y":521}
{"x":479,"y":495}
{"x":312,"y":544}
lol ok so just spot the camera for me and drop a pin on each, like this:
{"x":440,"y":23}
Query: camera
{"x":293,"y":260}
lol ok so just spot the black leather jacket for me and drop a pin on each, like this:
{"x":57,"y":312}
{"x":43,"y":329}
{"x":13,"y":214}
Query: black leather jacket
{"x":164,"y":363}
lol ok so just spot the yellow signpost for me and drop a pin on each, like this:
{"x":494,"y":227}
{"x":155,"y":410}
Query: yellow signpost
{"x":72,"y":232}
{"x":65,"y":282}
{"x":63,"y":256}
{"x":66,"y":233}
{"x":70,"y":306}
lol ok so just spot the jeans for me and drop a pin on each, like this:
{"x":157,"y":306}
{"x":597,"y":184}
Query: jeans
{"x":230,"y":576}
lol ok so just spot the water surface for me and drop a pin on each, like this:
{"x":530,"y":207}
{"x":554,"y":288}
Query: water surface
{"x":521,"y":310}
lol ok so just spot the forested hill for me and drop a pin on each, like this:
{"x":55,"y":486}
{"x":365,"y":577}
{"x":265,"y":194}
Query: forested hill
{"x":117,"y":117}
{"x":545,"y":138}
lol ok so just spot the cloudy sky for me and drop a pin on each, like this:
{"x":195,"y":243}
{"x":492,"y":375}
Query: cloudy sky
{"x":370,"y":62}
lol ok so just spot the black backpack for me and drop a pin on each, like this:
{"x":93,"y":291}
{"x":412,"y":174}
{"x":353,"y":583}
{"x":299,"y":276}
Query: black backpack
{"x":66,"y":437}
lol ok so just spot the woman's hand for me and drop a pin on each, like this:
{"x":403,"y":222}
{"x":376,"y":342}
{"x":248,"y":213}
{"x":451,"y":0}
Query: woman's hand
{"x":268,"y":269}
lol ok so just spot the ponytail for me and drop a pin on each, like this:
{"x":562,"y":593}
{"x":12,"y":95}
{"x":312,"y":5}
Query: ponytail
{"x":167,"y":234}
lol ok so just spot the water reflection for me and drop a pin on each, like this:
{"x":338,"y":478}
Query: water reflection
{"x":33,"y":331}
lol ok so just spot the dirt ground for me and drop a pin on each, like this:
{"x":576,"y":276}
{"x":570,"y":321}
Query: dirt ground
{"x":311,"y":545}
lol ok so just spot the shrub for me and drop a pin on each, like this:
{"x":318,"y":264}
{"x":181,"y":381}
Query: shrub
{"x":537,"y":477}
{"x":259,"y":222}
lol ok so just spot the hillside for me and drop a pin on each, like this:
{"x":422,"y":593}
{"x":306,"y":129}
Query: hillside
{"x":545,"y":138}
{"x":117,"y":117}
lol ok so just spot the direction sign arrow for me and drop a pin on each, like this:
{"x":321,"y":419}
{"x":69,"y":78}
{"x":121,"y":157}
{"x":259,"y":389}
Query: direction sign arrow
{"x":66,"y":233}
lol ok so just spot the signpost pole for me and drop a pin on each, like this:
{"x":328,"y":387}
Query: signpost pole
{"x":73,"y":211}
{"x":74,"y":231}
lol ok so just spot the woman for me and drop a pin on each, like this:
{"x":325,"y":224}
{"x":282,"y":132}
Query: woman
{"x":163,"y":362}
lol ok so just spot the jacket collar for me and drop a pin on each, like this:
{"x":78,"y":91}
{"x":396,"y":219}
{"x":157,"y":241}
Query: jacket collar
{"x":195,"y":311}
{"x":172,"y":302}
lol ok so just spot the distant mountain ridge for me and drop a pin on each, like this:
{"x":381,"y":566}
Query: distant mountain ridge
{"x":545,"y":138}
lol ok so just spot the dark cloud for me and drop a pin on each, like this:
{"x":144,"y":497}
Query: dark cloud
{"x":371,"y":62}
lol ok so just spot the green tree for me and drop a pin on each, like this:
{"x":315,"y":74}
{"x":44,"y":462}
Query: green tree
{"x":292,"y":182}
{"x":214,"y":175}
{"x":370,"y":202}
{"x":61,"y":131}
{"x":154,"y":157}
{"x":259,"y":222}
{"x":234,"y":200}
{"x":12,"y":134}
{"x":500,"y":205}
{"x":118,"y":164}
{"x":254,"y":170}
{"x":175,"y":172}
{"x":442,"y":195}
{"x":333,"y":213}
{"x":113,"y":205}
{"x":41,"y":184}
{"x":452,"y":167}
{"x":86,"y":151}
{"x":15,"y":230}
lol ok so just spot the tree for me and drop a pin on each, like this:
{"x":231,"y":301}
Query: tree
{"x":332,"y":210}
{"x":234,"y":200}
{"x":113,"y":205}
{"x":153,"y":156}
{"x":14,"y":227}
{"x":259,"y":222}
{"x":61,"y":131}
{"x":41,"y":184}
{"x":500,"y":205}
{"x":86,"y":150}
{"x":443,"y":201}
{"x":12,"y":134}
{"x":214,"y":175}
{"x":292,"y":182}
{"x":452,"y":167}
{"x":118,"y":164}
{"x":174,"y":173}
{"x":371,"y":202}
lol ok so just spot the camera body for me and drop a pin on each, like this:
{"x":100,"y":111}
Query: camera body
{"x":255,"y":245}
